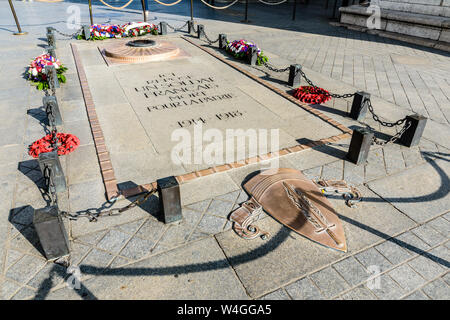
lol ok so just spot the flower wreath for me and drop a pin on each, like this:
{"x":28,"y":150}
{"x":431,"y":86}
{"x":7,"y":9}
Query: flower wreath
{"x":36,"y":70}
{"x":312,"y":95}
{"x":68,"y":143}
{"x":130,"y":29}
{"x":241,"y":48}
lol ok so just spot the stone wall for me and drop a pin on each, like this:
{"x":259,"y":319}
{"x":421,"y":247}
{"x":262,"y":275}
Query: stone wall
{"x":430,"y":7}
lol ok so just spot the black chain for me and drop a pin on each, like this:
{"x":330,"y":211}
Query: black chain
{"x":394,"y":138}
{"x":94,"y":214}
{"x":209,"y":40}
{"x":178,"y":29}
{"x":69,"y":36}
{"x":274,"y":69}
{"x":377,"y":118}
{"x":333,"y":95}
{"x":50,"y":187}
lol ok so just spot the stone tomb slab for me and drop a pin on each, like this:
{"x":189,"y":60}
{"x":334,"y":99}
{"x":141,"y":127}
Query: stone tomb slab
{"x":141,"y":106}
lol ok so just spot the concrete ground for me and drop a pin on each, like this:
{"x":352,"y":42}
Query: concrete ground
{"x":397,"y":237}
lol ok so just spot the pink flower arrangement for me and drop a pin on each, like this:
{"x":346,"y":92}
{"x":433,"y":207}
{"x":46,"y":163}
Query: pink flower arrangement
{"x":36,"y":70}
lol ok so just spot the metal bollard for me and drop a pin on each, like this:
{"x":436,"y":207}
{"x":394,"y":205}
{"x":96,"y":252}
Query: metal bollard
{"x":222,"y":41}
{"x":191,"y":26}
{"x":169,"y":199}
{"x":359,"y":106}
{"x":411,"y":137}
{"x":87,"y":32}
{"x":51,"y":232}
{"x":200,"y":31}
{"x":50,"y":161}
{"x":360,"y":146}
{"x":51,"y":51}
{"x":163,"y":28}
{"x":52,"y":110}
{"x":252,"y":56}
{"x":295,"y":77}
{"x":55,"y":83}
{"x":51,"y":37}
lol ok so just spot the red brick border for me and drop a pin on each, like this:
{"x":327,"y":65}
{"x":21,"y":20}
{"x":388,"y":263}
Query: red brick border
{"x":104,"y":159}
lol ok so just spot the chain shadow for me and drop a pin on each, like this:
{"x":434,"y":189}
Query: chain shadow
{"x":151,"y":206}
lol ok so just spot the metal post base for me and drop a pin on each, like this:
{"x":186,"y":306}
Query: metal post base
{"x":20,"y":33}
{"x":359,"y":146}
{"x":222,"y":41}
{"x":295,"y":78}
{"x":51,"y":232}
{"x":52,"y":110}
{"x":411,"y":137}
{"x":51,"y":51}
{"x":169,"y":199}
{"x":87,"y":32}
{"x":359,"y":107}
{"x":191,"y":27}
{"x":51,"y":161}
{"x":252,"y":56}
{"x":200,"y":31}
{"x":163,"y":28}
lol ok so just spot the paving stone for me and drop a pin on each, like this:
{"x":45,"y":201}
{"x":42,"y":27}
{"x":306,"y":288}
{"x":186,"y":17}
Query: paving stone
{"x":113,"y":241}
{"x":417,"y":295}
{"x":387,"y":290}
{"x":51,"y":275}
{"x":93,"y":238}
{"x":419,"y":203}
{"x":243,"y":196}
{"x":428,"y":235}
{"x":304,"y":289}
{"x":440,"y":224}
{"x":220,"y":208}
{"x":264,"y":265}
{"x":176,"y":274}
{"x":440,"y":255}
{"x":13,"y":256}
{"x":179,"y":233}
{"x":371,"y":257}
{"x":333,"y":171}
{"x":200,"y":206}
{"x":411,"y":243}
{"x":24,"y":293}
{"x":329,"y":282}
{"x":137,"y":248}
{"x":280,"y":294}
{"x":25,"y":268}
{"x":8,"y":288}
{"x":437,"y":290}
{"x":406,"y":277}
{"x":232,"y":196}
{"x":426,"y":267}
{"x":393,"y":252}
{"x":131,"y":227}
{"x":211,"y":224}
{"x":351,"y":270}
{"x":375,"y":167}
{"x":77,"y":252}
{"x":353,"y":174}
{"x":151,"y":230}
{"x":446,"y":278}
{"x":359,"y":293}
{"x":95,"y":262}
{"x":118,"y":262}
{"x":313,"y":173}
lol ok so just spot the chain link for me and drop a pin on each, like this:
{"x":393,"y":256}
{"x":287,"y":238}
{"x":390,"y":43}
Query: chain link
{"x":209,"y":40}
{"x":274,"y":69}
{"x":333,"y":95}
{"x":93,"y":216}
{"x":394,"y":138}
{"x":377,"y":118}
{"x":69,"y":36}
{"x":178,"y":29}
